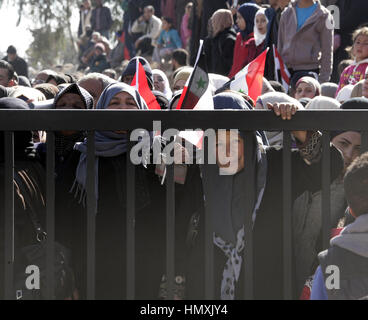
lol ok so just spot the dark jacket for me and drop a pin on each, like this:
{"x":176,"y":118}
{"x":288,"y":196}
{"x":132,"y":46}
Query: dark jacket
{"x":105,"y":19}
{"x":99,"y":64}
{"x":19,"y":65}
{"x":221,"y":52}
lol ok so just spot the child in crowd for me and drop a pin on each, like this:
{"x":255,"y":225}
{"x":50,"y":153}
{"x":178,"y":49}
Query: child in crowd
{"x":245,"y":48}
{"x":359,"y":52}
{"x":168,"y":41}
{"x":260,"y":28}
{"x":343,"y":270}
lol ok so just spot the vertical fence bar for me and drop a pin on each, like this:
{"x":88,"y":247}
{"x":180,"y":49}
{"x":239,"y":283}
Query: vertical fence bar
{"x":326,"y":178}
{"x":130,"y":225}
{"x":50,"y":215}
{"x":170,"y":230}
{"x":287,"y":217}
{"x":91,"y":217}
{"x":248,"y":260}
{"x":9,"y":215}
{"x":209,"y":249}
{"x":364,"y":143}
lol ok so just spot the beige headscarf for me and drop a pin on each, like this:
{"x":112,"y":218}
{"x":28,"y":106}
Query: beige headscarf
{"x":321,"y":102}
{"x":221,"y":20}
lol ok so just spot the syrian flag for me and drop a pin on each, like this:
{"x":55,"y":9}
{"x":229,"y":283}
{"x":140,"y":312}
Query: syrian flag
{"x":197,"y":84}
{"x":141,"y":85}
{"x":249,"y":80}
{"x":282,"y":74}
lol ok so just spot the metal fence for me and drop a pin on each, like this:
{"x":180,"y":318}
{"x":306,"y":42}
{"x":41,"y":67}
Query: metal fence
{"x":93,"y":120}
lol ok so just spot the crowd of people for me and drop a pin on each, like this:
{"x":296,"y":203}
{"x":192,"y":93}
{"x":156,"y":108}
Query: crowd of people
{"x":327,"y":69}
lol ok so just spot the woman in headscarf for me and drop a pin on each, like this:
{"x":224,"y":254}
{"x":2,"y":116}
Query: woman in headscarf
{"x":111,"y":152}
{"x":245,"y":43}
{"x":307,"y":87}
{"x":181,"y":78}
{"x":220,"y":45}
{"x":225,"y":201}
{"x":260,"y":28}
{"x":161,"y":83}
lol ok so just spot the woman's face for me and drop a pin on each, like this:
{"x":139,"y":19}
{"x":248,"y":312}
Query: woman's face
{"x":70,"y":101}
{"x":122,"y":101}
{"x":158,"y":83}
{"x":349,"y":144}
{"x":261,"y":23}
{"x":229,"y":152}
{"x":360,"y":48}
{"x":179,"y":85}
{"x":304,"y":90}
{"x":240,"y":22}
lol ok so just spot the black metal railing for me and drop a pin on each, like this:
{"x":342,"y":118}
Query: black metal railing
{"x":94,"y":120}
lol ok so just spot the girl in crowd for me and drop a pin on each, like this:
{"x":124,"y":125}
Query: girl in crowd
{"x":244,"y":50}
{"x":185,"y":32}
{"x":168,"y":41}
{"x":111,"y":151}
{"x":228,"y":212}
{"x":359,"y":51}
{"x":307,"y":87}
{"x":260,"y":29}
{"x":161,"y":83}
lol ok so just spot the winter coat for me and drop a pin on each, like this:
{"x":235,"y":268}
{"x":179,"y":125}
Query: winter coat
{"x":105,"y":19}
{"x":311,"y":46}
{"x":221,"y":52}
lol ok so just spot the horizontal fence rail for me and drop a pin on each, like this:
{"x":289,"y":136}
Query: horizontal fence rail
{"x":95,"y":120}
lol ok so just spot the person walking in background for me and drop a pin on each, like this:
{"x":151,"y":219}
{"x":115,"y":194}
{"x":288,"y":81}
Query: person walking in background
{"x":185,"y":32}
{"x":101,"y":19}
{"x":85,"y":14}
{"x":20,"y":65}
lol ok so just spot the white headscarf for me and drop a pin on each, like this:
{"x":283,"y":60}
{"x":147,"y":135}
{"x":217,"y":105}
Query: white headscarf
{"x":258,"y":37}
{"x":167,"y":91}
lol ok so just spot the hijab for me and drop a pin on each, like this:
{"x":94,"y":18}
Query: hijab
{"x":222,"y":19}
{"x":229,"y":213}
{"x":321,"y":102}
{"x":23,"y":145}
{"x":311,"y":82}
{"x":248,"y":12}
{"x":345,"y":93}
{"x":328,"y":89}
{"x":107,"y":143}
{"x":76,"y":89}
{"x":167,"y":91}
{"x":258,"y":37}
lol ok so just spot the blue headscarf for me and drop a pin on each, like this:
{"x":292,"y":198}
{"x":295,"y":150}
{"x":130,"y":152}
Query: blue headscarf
{"x":107,"y":143}
{"x":248,"y":12}
{"x":229,"y":213}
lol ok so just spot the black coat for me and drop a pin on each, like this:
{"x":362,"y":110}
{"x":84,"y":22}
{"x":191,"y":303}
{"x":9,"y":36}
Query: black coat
{"x":221,"y":52}
{"x":20,"y":66}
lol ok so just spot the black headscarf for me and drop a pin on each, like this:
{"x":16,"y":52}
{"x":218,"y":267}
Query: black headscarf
{"x":226,"y":198}
{"x":74,"y":88}
{"x":23,"y":145}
